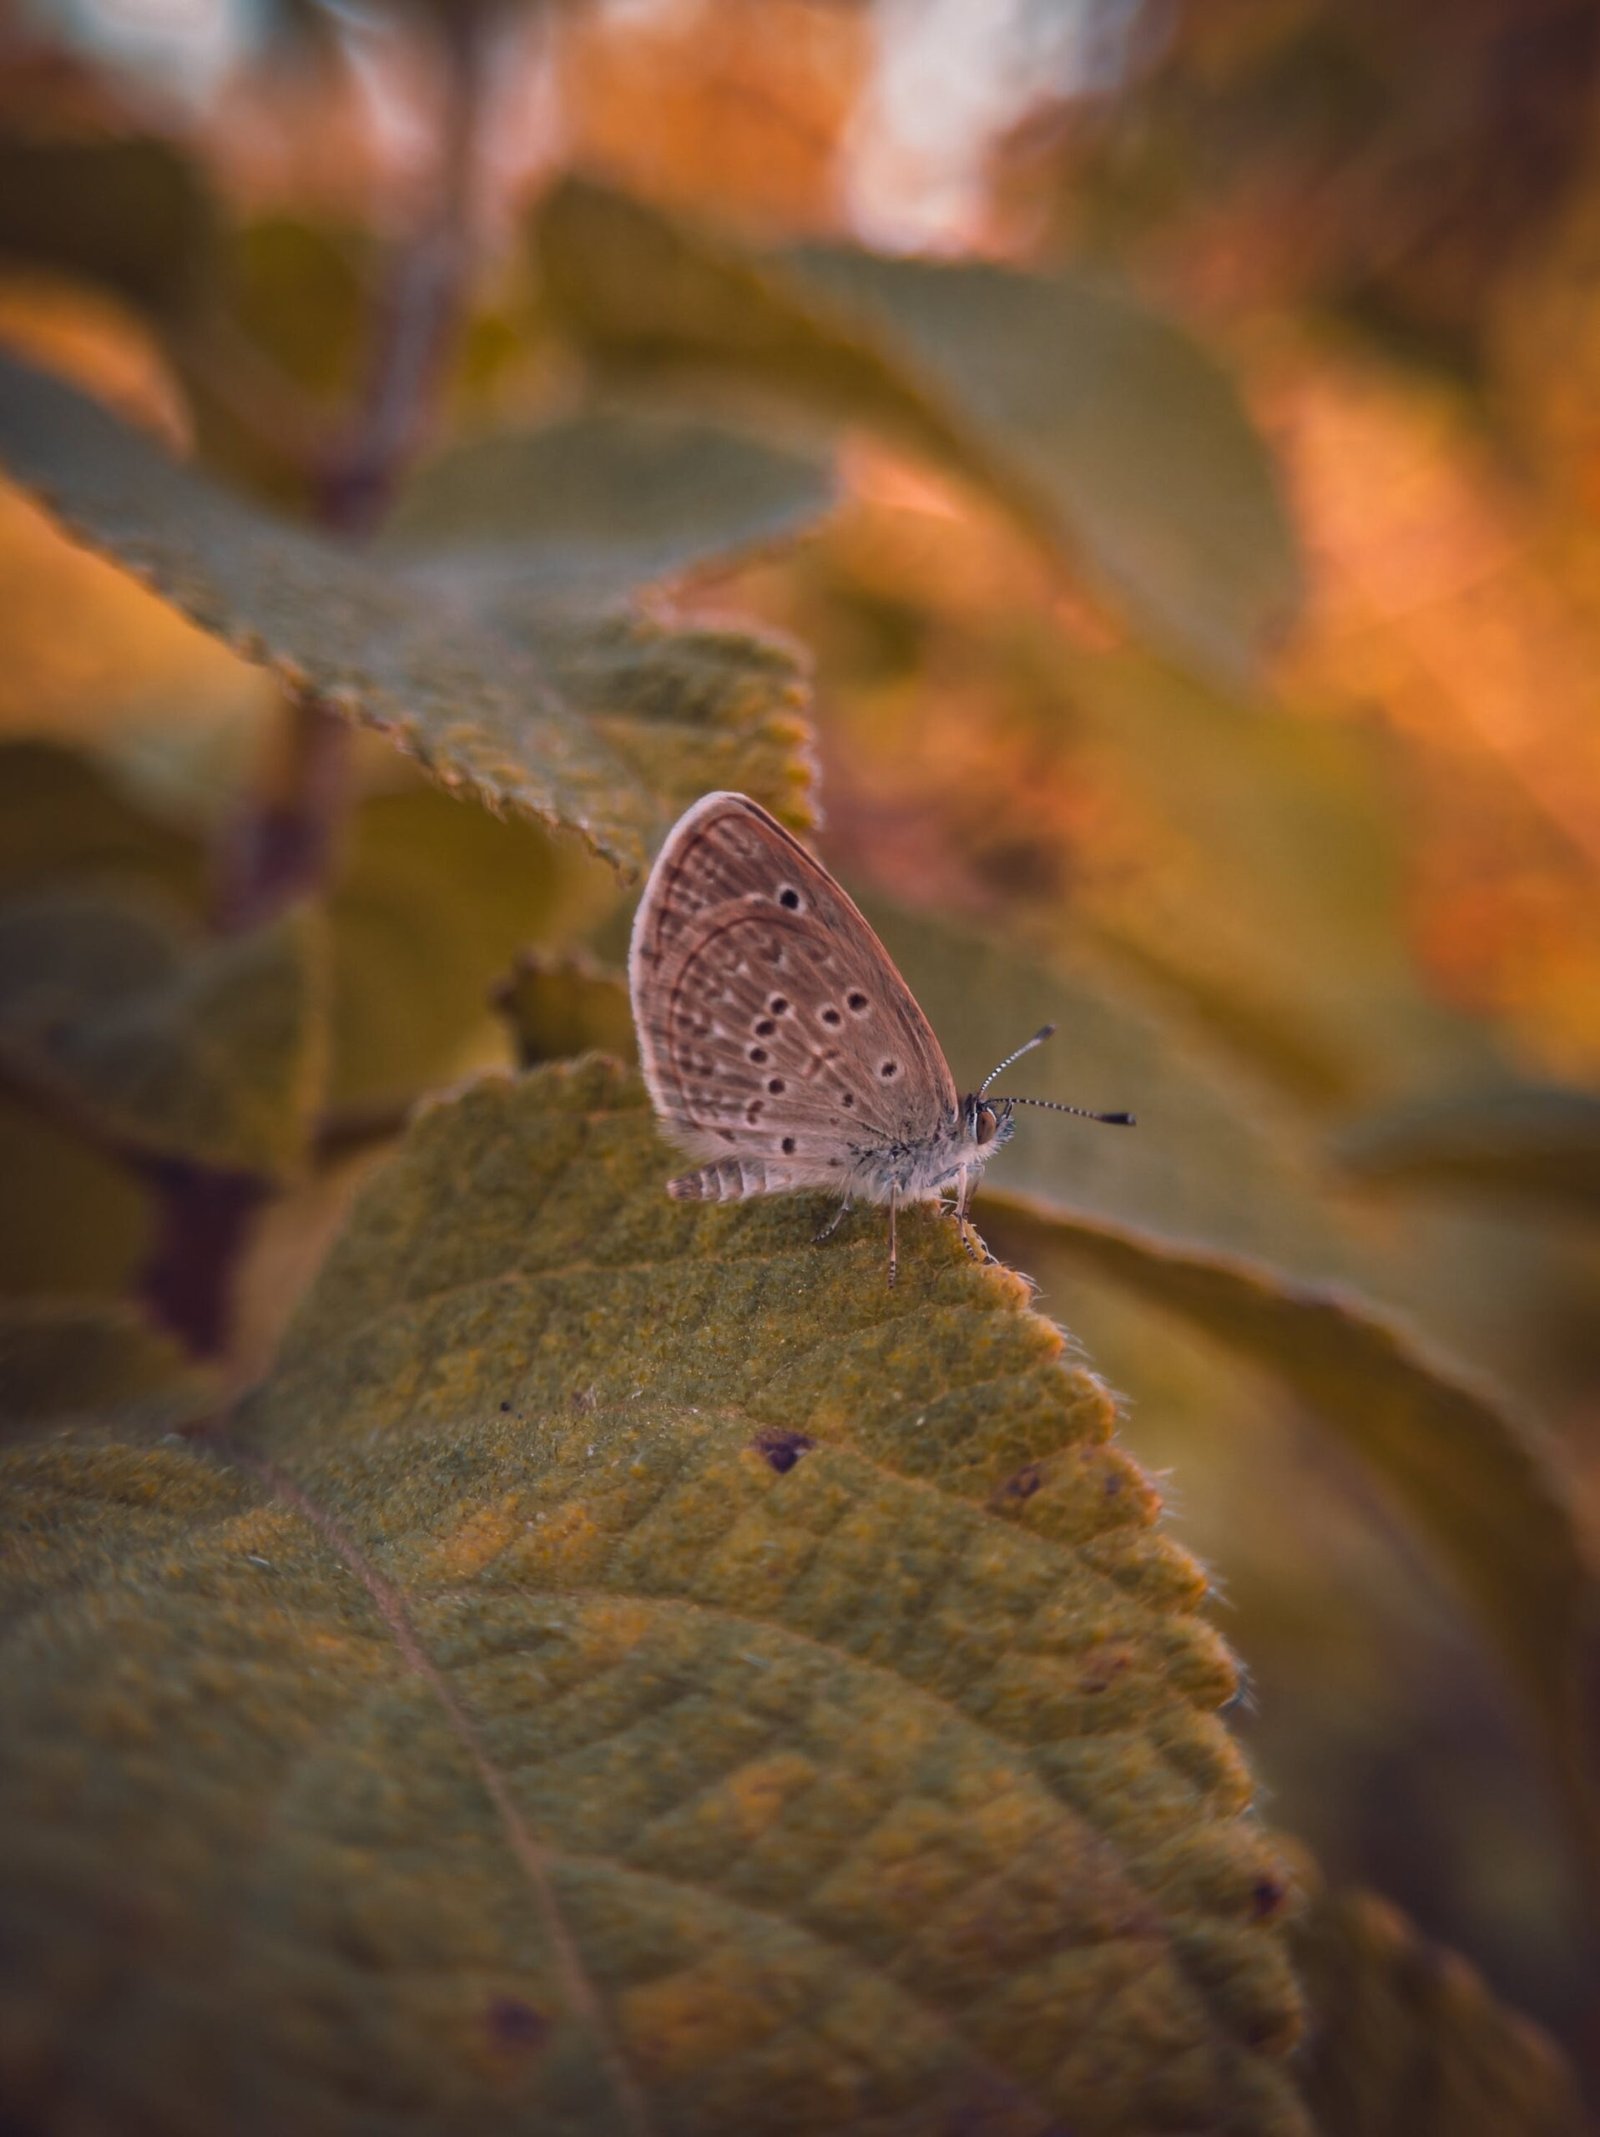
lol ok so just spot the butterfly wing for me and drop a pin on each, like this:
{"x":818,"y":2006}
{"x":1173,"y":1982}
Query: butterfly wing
{"x":773,"y":1026}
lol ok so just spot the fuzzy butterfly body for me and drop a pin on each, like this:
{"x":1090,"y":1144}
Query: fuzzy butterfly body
{"x":779,"y":1044}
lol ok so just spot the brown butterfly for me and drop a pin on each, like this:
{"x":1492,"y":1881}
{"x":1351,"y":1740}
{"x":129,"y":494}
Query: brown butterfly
{"x":779,"y":1043}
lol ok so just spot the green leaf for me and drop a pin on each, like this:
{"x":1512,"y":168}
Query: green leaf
{"x":1219,"y":1159}
{"x":302,"y":293}
{"x":556,"y":1007}
{"x":634,"y":1672}
{"x":1273,"y":901}
{"x":115,"y":1011}
{"x":134,"y":214}
{"x":602,"y":722}
{"x":274,"y":360}
{"x":76,"y":1220}
{"x":1409,"y":2042}
{"x":72,"y":1361}
{"x":1476,"y":1481}
{"x":1104,"y":430}
{"x":599,"y":503}
{"x":1243,"y":1180}
{"x":432,"y":900}
{"x":1534,"y":1142}
{"x":62,"y":818}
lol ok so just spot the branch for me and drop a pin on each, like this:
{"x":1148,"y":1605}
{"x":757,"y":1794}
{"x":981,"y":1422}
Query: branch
{"x":421,"y":309}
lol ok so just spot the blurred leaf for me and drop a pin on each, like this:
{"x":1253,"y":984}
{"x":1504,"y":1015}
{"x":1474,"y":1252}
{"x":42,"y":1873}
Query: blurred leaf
{"x":430,"y":904}
{"x":1270,"y":892}
{"x":71,"y":1361}
{"x":130,"y":669}
{"x":556,"y":1007}
{"x":1242,"y":1181}
{"x":299,"y":292}
{"x":600,"y":503}
{"x":114,"y":1011}
{"x":273,"y":363}
{"x":135,"y":215}
{"x":1257,"y":867}
{"x":1136,"y":440}
{"x":654,"y":1677}
{"x":1101,"y":428}
{"x":606,"y":723}
{"x":291,"y":1233}
{"x":1534,"y":1141}
{"x":61,"y":817}
{"x":1470,"y":1476}
{"x":75,"y":1220}
{"x":1219,"y":1160}
{"x":1408,"y":2041}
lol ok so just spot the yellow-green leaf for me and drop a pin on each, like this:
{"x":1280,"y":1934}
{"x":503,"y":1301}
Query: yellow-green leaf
{"x":432,"y":899}
{"x":115,"y":1011}
{"x":1216,"y":1158}
{"x":598,"y":504}
{"x":70,"y":1361}
{"x":76,"y":1219}
{"x":1527,"y":1141}
{"x":62,"y":817}
{"x":1102,"y":428}
{"x":1471,"y":1476}
{"x":1407,"y":2040}
{"x":638,"y":1673}
{"x":1271,"y":897}
{"x":600,"y":721}
{"x":558,"y":1006}
{"x":135,"y":214}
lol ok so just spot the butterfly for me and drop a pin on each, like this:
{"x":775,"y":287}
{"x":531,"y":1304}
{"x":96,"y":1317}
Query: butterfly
{"x":780,"y":1045}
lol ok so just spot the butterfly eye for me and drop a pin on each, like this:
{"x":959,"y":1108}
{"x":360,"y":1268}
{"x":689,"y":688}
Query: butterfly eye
{"x":984,"y":1125}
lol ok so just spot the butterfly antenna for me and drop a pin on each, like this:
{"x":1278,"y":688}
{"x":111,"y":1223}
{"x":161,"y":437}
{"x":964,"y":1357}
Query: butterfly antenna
{"x":1112,"y":1120}
{"x":1038,"y":1039}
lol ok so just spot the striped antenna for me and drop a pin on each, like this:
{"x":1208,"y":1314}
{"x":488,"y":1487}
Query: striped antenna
{"x":1027,"y":1047}
{"x":1112,"y":1120}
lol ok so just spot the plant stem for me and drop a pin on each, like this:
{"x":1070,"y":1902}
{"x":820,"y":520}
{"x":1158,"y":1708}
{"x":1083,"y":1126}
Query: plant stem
{"x":203,"y":1222}
{"x":282,"y":844}
{"x":421,"y":309}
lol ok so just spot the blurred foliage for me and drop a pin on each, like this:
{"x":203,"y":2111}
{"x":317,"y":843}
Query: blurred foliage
{"x":680,"y":1680}
{"x":1407,"y":2022}
{"x":94,"y":1364}
{"x":1098,"y":428}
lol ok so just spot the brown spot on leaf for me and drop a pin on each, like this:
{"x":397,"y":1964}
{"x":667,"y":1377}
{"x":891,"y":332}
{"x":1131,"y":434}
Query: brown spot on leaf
{"x":515,"y":2024}
{"x":1104,"y":1666}
{"x":1267,"y":1897}
{"x":781,"y":1450}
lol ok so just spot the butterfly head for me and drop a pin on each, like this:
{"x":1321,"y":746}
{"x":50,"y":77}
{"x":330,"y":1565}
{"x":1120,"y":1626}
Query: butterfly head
{"x":987,"y":1122}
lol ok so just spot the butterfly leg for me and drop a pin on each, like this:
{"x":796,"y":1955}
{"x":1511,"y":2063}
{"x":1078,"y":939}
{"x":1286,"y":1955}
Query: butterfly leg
{"x":834,"y":1221}
{"x":894,"y":1251}
{"x":964,"y":1224}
